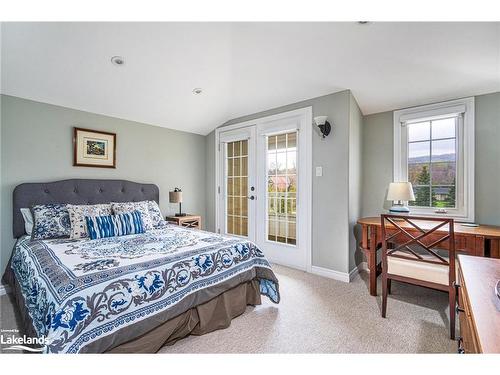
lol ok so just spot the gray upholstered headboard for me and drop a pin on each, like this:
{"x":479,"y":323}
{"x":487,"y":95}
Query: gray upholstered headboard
{"x":78,"y":191}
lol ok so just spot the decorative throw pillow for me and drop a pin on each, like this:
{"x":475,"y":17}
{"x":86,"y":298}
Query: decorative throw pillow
{"x":28,"y":220}
{"x":142,"y":207}
{"x":50,"y":221}
{"x":155,"y":213}
{"x":114,"y":225}
{"x":77,"y":215}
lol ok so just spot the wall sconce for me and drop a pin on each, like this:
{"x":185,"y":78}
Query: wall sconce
{"x":323,"y":125}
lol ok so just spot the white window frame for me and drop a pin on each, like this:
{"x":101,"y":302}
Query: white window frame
{"x":464,"y":108}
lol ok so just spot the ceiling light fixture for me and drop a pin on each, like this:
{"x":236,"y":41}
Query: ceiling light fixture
{"x":118,"y":60}
{"x":197,"y":91}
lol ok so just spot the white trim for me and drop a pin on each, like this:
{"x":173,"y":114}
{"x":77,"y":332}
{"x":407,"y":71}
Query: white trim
{"x":354,"y":272}
{"x":465,"y":161}
{"x":331,"y":274}
{"x":306,"y":132}
{"x":431,"y":112}
{"x":278,"y":116}
{"x":361,"y":267}
{"x":4,"y":289}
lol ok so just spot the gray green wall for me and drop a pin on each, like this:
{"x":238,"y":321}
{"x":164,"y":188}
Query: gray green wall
{"x":376,"y":162}
{"x":487,"y":160}
{"x":330,"y":224}
{"x":377,"y":159}
{"x":36,"y":146}
{"x":210,"y":181}
{"x":355,"y":179}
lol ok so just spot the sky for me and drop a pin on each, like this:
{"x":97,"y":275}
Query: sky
{"x":419,"y":135}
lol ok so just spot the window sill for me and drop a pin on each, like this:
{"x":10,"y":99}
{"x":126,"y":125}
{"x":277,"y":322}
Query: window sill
{"x":458,"y":216}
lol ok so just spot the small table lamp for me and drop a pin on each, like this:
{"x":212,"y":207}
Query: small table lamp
{"x":399,"y":192}
{"x":176,"y":197}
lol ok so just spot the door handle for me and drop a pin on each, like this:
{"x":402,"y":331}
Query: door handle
{"x":251,"y":197}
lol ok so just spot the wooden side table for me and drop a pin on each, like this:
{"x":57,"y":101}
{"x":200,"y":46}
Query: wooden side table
{"x":188,"y":221}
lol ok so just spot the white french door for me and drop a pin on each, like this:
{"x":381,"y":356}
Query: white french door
{"x":264,"y":191}
{"x":237,"y":186}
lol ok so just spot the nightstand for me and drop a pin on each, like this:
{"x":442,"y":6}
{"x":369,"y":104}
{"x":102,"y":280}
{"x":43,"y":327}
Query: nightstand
{"x":188,"y":221}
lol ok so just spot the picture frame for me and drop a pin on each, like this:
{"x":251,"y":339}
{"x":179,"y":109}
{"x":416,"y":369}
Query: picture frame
{"x":94,"y":148}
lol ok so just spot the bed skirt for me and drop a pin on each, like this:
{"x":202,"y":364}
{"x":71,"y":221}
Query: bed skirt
{"x":206,"y":317}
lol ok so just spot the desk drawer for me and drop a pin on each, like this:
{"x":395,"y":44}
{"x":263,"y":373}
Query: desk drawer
{"x":466,"y":244}
{"x":495,"y":248}
{"x":470,"y":342}
{"x":463,"y":243}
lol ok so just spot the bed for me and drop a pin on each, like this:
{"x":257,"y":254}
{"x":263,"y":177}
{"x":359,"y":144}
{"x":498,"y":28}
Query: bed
{"x":128,"y":294}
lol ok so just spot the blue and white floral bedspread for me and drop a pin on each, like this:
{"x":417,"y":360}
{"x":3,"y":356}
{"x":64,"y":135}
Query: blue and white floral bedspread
{"x":77,"y":292}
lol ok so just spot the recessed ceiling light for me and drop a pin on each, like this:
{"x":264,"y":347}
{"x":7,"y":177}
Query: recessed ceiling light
{"x":118,"y":60}
{"x":197,"y":91}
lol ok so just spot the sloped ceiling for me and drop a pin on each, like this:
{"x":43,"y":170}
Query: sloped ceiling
{"x":244,"y":67}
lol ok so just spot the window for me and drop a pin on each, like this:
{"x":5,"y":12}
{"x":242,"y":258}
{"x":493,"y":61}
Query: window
{"x":434,"y":150}
{"x":236,"y":187}
{"x":282,"y":188}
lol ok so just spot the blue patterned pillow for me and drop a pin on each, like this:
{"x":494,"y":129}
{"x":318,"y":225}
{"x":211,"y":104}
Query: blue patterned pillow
{"x":114,"y":225}
{"x":155,"y":213}
{"x":50,"y":221}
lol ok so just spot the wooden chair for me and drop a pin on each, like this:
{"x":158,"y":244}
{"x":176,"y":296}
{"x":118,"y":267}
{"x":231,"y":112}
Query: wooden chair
{"x":401,"y":260}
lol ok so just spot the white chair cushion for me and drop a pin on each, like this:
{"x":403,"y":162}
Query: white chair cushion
{"x":434,"y":273}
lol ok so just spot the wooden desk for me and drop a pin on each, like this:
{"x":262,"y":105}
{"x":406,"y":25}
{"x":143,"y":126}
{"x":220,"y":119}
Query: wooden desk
{"x":481,"y":241}
{"x":478,"y":306}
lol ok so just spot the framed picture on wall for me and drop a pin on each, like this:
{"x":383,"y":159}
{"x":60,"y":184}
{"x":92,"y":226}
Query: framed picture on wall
{"x":92,"y":148}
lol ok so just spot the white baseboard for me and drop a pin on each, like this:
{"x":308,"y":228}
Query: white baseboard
{"x":341,"y":276}
{"x":353,"y":273}
{"x":4,"y":289}
{"x":331,"y":274}
{"x":363,"y":266}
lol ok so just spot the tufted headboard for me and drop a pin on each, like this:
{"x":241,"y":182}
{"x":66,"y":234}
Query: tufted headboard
{"x":77,"y":191}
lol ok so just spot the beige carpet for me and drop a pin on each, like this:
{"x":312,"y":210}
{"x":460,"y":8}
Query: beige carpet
{"x":320,"y":315}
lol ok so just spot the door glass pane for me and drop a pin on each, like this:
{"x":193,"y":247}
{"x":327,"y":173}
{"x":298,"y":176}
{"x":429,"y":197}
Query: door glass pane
{"x":281,"y":194}
{"x":237,"y":188}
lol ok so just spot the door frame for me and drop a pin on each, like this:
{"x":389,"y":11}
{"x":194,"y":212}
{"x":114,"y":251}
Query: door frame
{"x":305,"y":115}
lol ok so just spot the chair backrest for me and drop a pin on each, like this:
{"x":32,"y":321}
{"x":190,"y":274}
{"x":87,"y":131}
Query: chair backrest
{"x":402,"y":235}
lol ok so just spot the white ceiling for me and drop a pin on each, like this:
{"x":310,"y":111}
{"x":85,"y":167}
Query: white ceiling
{"x":244,"y":67}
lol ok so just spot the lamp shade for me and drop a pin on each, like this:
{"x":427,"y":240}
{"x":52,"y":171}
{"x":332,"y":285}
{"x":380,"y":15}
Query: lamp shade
{"x":175,"y":196}
{"x":400,"y":191}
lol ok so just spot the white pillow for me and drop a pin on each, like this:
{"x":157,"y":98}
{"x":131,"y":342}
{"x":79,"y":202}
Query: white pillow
{"x":28,"y":220}
{"x":142,"y":207}
{"x":77,"y":215}
{"x":155,"y":213}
